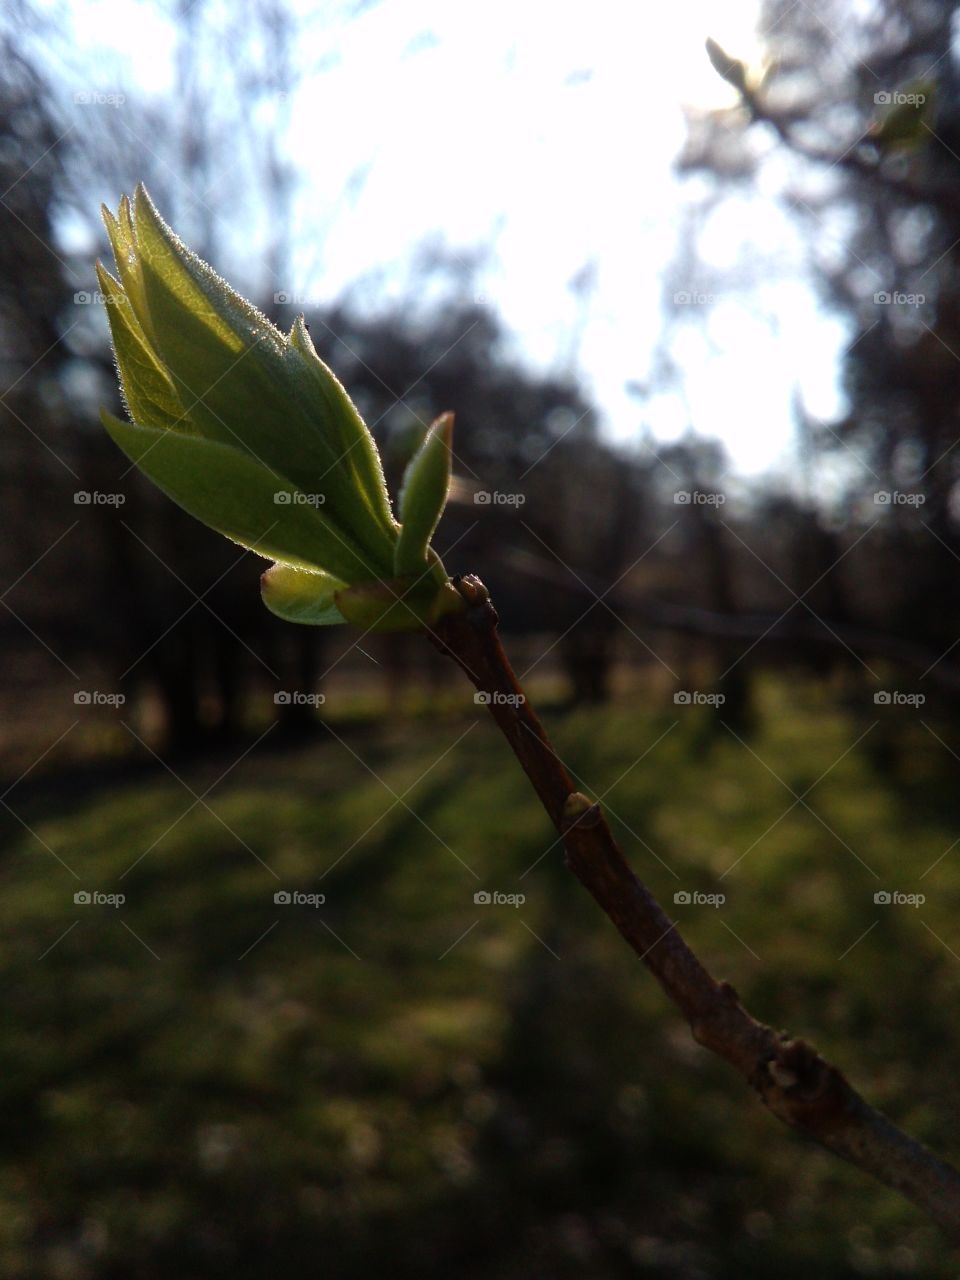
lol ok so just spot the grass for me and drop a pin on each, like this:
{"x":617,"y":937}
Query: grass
{"x":203,"y":1083}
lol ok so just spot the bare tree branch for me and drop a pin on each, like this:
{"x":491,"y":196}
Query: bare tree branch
{"x":799,"y":1087}
{"x":810,"y":634}
{"x":863,"y":158}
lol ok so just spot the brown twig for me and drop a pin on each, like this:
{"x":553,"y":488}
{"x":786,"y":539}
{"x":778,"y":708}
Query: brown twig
{"x":798,"y":1086}
{"x":863,"y":158}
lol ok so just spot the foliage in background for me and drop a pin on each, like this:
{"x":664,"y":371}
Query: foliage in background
{"x":349,"y":1085}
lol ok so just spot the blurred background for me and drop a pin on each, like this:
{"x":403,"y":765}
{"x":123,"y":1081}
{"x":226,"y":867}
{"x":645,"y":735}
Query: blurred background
{"x":295,"y":978}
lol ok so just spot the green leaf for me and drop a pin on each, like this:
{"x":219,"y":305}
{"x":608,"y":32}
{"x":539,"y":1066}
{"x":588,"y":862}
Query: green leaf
{"x":196,"y":286}
{"x":241,"y":499}
{"x":297,"y":596}
{"x":423,"y":496}
{"x":148,"y":391}
{"x":241,"y":382}
{"x":123,"y":241}
{"x":360,"y":454}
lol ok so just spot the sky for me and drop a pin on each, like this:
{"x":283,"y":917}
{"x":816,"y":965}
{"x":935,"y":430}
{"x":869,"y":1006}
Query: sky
{"x":548,"y":135}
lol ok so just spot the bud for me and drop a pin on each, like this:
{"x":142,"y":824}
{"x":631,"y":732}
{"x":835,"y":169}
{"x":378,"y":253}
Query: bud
{"x":423,"y":496}
{"x":730,"y":69}
{"x":401,"y":604}
{"x":902,"y":119}
{"x":241,"y":424}
{"x":298,"y":596}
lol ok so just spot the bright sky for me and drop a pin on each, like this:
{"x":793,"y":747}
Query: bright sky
{"x":548,"y":132}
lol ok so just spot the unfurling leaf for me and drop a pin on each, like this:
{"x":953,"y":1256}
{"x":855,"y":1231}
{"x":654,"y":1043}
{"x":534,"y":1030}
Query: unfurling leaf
{"x":248,"y":430}
{"x":730,"y":69}
{"x":423,"y":496}
{"x":299,"y":596}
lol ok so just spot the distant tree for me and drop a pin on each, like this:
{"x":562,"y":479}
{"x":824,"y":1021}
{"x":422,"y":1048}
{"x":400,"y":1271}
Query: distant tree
{"x":869,"y":127}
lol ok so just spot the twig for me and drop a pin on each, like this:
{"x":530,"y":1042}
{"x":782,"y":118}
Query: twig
{"x":853,"y":159}
{"x":798,"y":1086}
{"x":818,"y":633}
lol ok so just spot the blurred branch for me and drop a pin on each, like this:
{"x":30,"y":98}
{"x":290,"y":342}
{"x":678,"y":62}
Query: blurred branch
{"x":769,"y":628}
{"x":861,"y":158}
{"x":794,"y":1082}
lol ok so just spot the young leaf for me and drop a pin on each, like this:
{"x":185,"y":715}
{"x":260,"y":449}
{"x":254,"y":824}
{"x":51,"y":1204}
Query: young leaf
{"x":148,"y":390}
{"x":249,"y":431}
{"x":730,"y":69}
{"x":241,"y":381}
{"x":297,"y":596}
{"x":423,"y":496}
{"x":240,"y":498}
{"x":360,"y":454}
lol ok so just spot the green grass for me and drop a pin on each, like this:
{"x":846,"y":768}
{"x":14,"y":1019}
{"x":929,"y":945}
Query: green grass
{"x":202,"y":1083}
